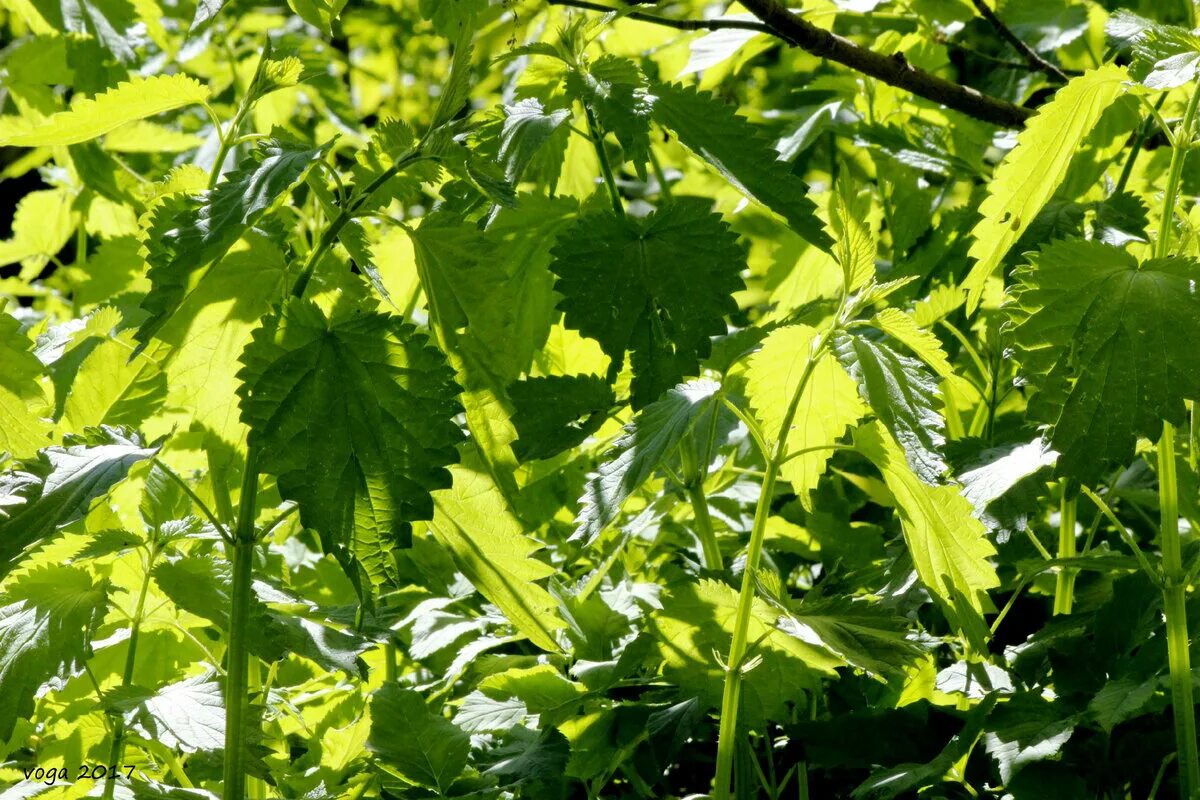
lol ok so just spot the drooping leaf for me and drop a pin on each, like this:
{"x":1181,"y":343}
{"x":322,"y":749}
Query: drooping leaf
{"x":1031,"y":173}
{"x":651,"y":436}
{"x":489,"y":546}
{"x":353,"y":411}
{"x":923,"y":344}
{"x":46,"y":624}
{"x":526,"y":127}
{"x":188,"y":715}
{"x":138,"y":98}
{"x":903,"y":395}
{"x":1108,"y":344}
{"x":712,"y":130}
{"x":948,"y":546}
{"x":828,"y":405}
{"x":557,"y":412}
{"x":1026,"y":729}
{"x":1001,"y":483}
{"x":421,"y":746}
{"x":186,"y":233}
{"x":45,"y":493}
{"x":658,"y":286}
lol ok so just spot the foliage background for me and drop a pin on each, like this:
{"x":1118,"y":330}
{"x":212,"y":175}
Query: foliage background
{"x":608,"y":380}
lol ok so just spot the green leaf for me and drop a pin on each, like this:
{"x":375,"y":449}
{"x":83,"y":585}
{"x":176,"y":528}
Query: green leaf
{"x":826,"y":408}
{"x":948,"y":546}
{"x":1025,"y":729}
{"x":526,"y":127}
{"x":22,"y":400}
{"x":186,"y":233}
{"x":482,"y":714}
{"x":865,"y":636}
{"x":1121,"y":699}
{"x":695,"y":625}
{"x":855,"y":246}
{"x":923,"y":344}
{"x":650,"y":437}
{"x":904,"y":397}
{"x":188,"y":715}
{"x":557,"y":412}
{"x":111,"y":388}
{"x":616,"y":91}
{"x":1164,"y":56}
{"x":542,"y":689}
{"x":46,"y":493}
{"x":490,"y":547}
{"x":658,"y":286}
{"x":713,"y":131}
{"x":138,"y":98}
{"x":41,"y":226}
{"x":46,"y":624}
{"x":1109,"y":344}
{"x":353,"y":412}
{"x":1031,"y":173}
{"x":419,"y":745}
{"x":1002,"y":483}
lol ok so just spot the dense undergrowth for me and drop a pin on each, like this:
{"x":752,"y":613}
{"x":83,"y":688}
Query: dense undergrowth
{"x":469,"y":399}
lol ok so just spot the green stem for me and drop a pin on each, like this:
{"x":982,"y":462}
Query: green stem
{"x":330,"y":234}
{"x":597,"y":138}
{"x":693,"y":484}
{"x":1175,"y":612}
{"x":1064,"y":587}
{"x":238,"y":655}
{"x":116,"y":752}
{"x":731,"y":698}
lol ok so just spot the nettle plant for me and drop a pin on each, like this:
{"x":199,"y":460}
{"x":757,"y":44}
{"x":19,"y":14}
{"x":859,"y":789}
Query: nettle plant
{"x":495,"y":400}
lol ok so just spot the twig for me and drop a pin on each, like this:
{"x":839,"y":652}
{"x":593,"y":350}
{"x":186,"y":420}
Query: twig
{"x":893,"y":70}
{"x":677,"y":24}
{"x":1036,"y":62}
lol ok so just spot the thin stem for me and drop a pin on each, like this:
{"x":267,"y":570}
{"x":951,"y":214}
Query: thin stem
{"x":677,"y":24}
{"x":1064,"y":587}
{"x":237,"y":655}
{"x":1182,"y":140}
{"x":116,"y":752}
{"x":731,"y":699}
{"x":1035,"y":61}
{"x":659,"y":175}
{"x":330,"y":234}
{"x":597,"y":138}
{"x":1175,"y":613}
{"x":195,"y":498}
{"x":693,"y":484}
{"x":1143,"y":562}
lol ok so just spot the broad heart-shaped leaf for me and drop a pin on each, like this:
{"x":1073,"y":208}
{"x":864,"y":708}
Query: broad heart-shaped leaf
{"x":132,"y":100}
{"x":354,"y":413}
{"x":948,"y":546}
{"x":903,"y":395}
{"x":1030,"y":174}
{"x":651,"y":436}
{"x":490,"y":547}
{"x":186,"y":233}
{"x":45,"y":628}
{"x":713,"y":131}
{"x":557,"y":412}
{"x":658,"y":286}
{"x":22,"y":431}
{"x":45,"y":493}
{"x":828,"y":405}
{"x":1110,"y":345}
{"x":418,"y":744}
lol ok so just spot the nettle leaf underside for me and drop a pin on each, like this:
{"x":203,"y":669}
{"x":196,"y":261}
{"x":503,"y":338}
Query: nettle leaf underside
{"x":354,"y":412}
{"x":658,"y":287}
{"x":1110,"y":346}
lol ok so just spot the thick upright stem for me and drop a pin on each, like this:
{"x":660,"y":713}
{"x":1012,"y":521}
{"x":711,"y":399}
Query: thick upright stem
{"x":237,"y":654}
{"x":1064,"y":588}
{"x":731,"y":698}
{"x":1175,"y":613}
